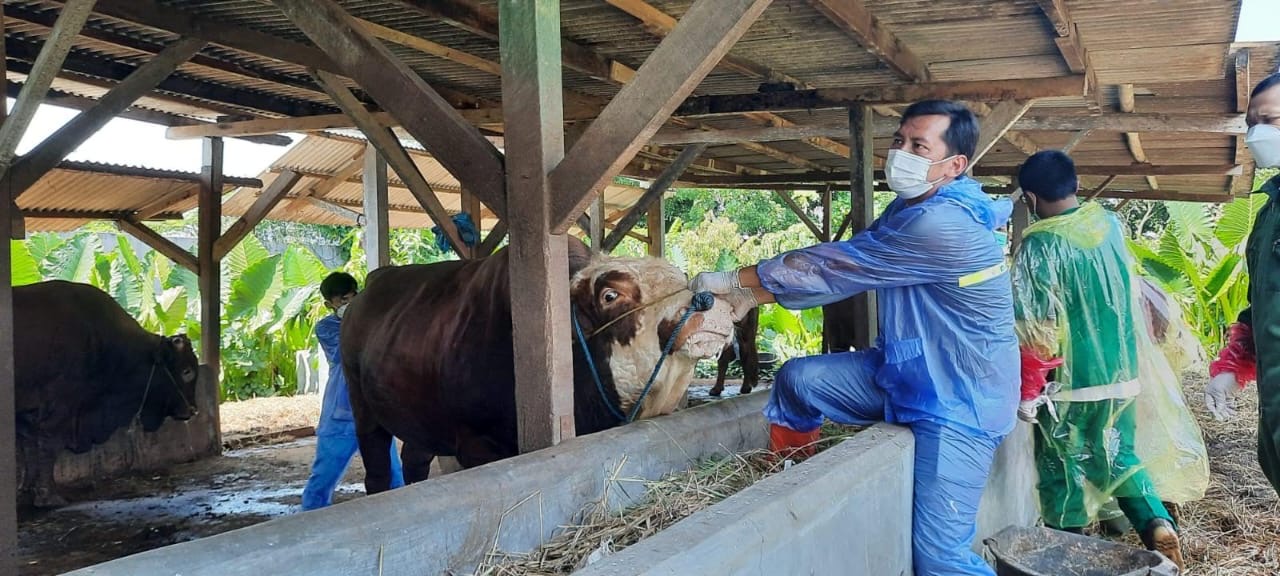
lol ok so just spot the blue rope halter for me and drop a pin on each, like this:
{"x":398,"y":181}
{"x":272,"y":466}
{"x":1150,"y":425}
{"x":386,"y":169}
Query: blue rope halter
{"x":702,"y":301}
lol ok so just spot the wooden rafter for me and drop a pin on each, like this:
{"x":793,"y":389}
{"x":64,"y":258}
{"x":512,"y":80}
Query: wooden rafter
{"x":432,"y":120}
{"x":1128,"y":105}
{"x":1067,"y":37}
{"x":45,"y":156}
{"x":853,"y":17}
{"x":1017,"y":139}
{"x":159,"y":243}
{"x":262,"y":206}
{"x":832,"y":98}
{"x":668,"y":76}
{"x":656,"y":189}
{"x":1102,"y":187}
{"x":398,"y":158}
{"x":996,"y":124}
{"x":46,"y":65}
{"x":799,"y":212}
{"x":1076,"y":140}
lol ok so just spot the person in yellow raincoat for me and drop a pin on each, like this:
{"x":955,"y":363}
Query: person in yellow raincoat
{"x":1075,"y":303}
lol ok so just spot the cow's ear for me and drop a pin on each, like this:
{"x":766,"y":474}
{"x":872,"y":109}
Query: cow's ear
{"x":579,"y":255}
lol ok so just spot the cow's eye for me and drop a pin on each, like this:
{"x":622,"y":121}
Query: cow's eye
{"x":609,"y":295}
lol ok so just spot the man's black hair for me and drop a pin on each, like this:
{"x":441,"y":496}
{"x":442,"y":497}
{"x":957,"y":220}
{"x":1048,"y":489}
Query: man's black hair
{"x":337,"y":285}
{"x":1050,"y":175}
{"x":1266,"y":84}
{"x":961,"y":136}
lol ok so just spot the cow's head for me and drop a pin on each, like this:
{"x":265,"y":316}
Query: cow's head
{"x":629,"y":308}
{"x":172,"y":384}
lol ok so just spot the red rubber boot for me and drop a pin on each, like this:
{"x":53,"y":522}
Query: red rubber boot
{"x":788,"y":443}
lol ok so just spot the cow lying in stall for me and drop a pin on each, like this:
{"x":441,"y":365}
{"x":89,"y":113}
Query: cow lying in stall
{"x":839,"y":319}
{"x":427,"y":351}
{"x":84,"y":369}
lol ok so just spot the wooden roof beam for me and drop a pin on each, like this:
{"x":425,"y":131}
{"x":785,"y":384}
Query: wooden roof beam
{"x":831,"y":98}
{"x":265,"y":202}
{"x":816,"y":178}
{"x":45,"y":156}
{"x":657,"y":188}
{"x":432,"y":120}
{"x":995,"y":124}
{"x":46,"y":63}
{"x":853,"y":17}
{"x":398,"y":158}
{"x":703,"y":36}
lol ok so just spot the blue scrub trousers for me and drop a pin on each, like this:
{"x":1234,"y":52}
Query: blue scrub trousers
{"x":333,"y":454}
{"x":951,"y":462}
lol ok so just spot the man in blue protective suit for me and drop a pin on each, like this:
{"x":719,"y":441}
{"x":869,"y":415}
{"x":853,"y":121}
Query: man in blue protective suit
{"x":336,"y":434}
{"x":946,"y":362}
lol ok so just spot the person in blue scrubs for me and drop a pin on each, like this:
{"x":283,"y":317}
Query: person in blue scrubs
{"x":336,"y":433}
{"x":946,"y":360}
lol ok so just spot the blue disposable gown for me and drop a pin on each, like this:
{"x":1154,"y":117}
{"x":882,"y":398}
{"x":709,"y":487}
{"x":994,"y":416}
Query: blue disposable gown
{"x":335,"y":408}
{"x":949,"y":352}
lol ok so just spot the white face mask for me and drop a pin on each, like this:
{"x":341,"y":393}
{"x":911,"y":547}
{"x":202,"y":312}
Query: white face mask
{"x":908,"y":174}
{"x":1264,"y":142}
{"x":341,"y":310}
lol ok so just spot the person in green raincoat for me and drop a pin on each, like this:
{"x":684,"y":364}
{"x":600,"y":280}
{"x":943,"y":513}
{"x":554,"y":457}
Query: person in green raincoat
{"x":1075,"y":306}
{"x":1254,"y":335}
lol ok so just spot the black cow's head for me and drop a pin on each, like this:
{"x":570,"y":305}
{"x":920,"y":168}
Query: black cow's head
{"x":171,"y":384}
{"x":629,"y":308}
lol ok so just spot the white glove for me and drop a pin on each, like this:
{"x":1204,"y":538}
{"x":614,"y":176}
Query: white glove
{"x":1027,"y":409}
{"x":1219,"y":396}
{"x":742,"y":300}
{"x":718,"y":283}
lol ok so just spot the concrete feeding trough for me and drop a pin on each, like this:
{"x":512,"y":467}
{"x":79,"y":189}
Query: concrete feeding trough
{"x":448,"y":525}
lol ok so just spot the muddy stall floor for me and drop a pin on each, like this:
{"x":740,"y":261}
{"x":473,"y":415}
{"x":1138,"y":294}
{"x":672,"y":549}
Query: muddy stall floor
{"x":134,"y":513}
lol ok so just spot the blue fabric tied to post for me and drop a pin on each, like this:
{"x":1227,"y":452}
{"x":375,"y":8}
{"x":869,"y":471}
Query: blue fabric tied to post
{"x":466,"y":229}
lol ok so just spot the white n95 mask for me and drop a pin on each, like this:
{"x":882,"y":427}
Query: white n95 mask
{"x":908,"y":174}
{"x":1264,"y":142}
{"x":341,"y":310}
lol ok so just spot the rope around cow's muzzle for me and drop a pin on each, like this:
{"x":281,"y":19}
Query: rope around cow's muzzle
{"x":701,"y":302}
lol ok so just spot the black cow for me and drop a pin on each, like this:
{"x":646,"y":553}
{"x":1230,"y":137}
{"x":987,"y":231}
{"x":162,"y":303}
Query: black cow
{"x":84,"y":369}
{"x":838,"y":336}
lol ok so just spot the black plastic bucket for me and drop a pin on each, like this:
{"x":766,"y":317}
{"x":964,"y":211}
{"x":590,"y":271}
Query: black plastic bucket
{"x":1020,"y":551}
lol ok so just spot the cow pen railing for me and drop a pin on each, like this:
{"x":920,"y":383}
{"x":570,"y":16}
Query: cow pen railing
{"x":859,"y":490}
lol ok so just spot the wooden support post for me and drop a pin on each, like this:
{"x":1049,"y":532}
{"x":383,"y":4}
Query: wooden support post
{"x":862,"y":211}
{"x":8,"y":424}
{"x":1018,"y":222}
{"x":34,"y":164}
{"x":471,"y":205}
{"x":377,"y":240}
{"x":657,"y":229}
{"x":160,"y":244}
{"x":210,"y":225}
{"x":656,"y":189}
{"x":267,"y":200}
{"x":532,"y":102}
{"x":826,"y":213}
{"x":596,"y":233}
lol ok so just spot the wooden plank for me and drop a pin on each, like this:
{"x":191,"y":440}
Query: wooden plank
{"x":830,"y":98}
{"x":1102,"y":187}
{"x":657,"y":228}
{"x":669,"y":74}
{"x":532,"y":99}
{"x":596,"y":226}
{"x":159,"y":243}
{"x":799,"y":212}
{"x":35,"y":164}
{"x":262,"y":206}
{"x":398,"y":158}
{"x":656,"y":189}
{"x":8,"y":384}
{"x":377,"y":224}
{"x":432,"y":120}
{"x":47,"y":64}
{"x":209,"y":225}
{"x":1138,"y":122}
{"x":1242,"y":80}
{"x":853,"y":17}
{"x":428,"y":47}
{"x":1056,"y":11}
{"x":994,"y":125}
{"x":862,"y":213}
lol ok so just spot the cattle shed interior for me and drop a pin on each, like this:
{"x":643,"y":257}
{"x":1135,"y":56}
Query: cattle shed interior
{"x":522,"y":113}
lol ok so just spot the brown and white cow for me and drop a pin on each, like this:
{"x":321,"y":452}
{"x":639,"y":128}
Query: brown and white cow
{"x":427,"y":351}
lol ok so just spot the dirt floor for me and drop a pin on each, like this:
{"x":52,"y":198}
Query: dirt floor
{"x":1234,"y":531}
